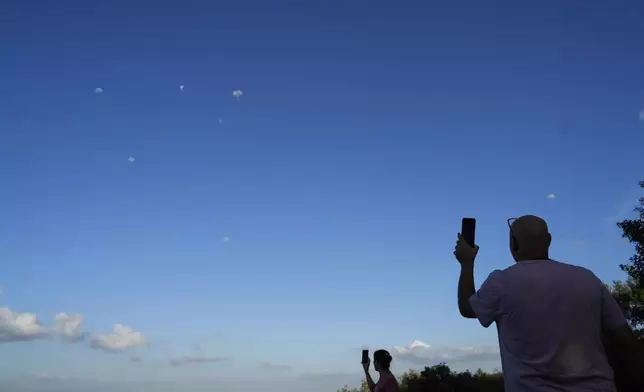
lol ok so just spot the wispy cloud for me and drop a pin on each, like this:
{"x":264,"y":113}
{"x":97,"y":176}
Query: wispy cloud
{"x":98,"y":90}
{"x":641,"y":115}
{"x":551,"y":196}
{"x":196,"y":359}
{"x":45,"y":377}
{"x":624,"y":208}
{"x":121,"y":338}
{"x":274,"y":366}
{"x":225,"y":239}
{"x":237,"y":94}
{"x":578,"y":244}
{"x":131,"y":159}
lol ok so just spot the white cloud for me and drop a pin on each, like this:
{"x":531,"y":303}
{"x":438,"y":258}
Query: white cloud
{"x":225,"y":239}
{"x":237,"y":94}
{"x":98,"y":90}
{"x":551,"y":196}
{"x":121,"y":338}
{"x":131,"y":159}
{"x":641,"y":115}
{"x":68,"y":327}
{"x":220,"y":121}
{"x":197,"y":359}
{"x":15,"y":326}
{"x":423,"y":354}
{"x":181,"y":87}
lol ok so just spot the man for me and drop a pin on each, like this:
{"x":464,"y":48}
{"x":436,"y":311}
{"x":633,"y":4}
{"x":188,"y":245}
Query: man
{"x":550,"y":316}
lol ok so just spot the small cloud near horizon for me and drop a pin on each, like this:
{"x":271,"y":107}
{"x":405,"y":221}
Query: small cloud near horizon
{"x":45,"y":377}
{"x":196,"y":359}
{"x":274,"y":366}
{"x":420,"y":353}
{"x":121,"y":338}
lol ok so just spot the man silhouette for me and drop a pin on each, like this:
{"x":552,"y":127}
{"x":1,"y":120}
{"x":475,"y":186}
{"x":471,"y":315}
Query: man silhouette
{"x":550,"y":316}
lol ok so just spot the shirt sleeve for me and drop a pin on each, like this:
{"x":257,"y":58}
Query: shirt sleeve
{"x":612,"y":315}
{"x":485,"y":302}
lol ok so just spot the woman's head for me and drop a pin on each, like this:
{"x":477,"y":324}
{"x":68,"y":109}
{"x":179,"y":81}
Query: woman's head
{"x":381,"y":360}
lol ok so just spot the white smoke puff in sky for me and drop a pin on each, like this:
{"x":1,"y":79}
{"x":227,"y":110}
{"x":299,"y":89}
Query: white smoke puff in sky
{"x":551,"y":196}
{"x":182,"y":87}
{"x":225,"y":239}
{"x":98,"y":90}
{"x":131,"y":159}
{"x":237,"y":94}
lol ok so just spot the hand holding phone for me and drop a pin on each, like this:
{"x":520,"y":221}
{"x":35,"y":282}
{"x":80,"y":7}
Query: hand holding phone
{"x":466,"y":249}
{"x":365,"y":356}
{"x":468,"y":230}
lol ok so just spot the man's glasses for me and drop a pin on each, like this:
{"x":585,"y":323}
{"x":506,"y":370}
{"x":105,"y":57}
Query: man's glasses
{"x":514,"y":239}
{"x":510,"y":222}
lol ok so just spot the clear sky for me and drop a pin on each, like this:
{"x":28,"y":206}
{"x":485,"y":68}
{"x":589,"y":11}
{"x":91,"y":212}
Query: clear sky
{"x":276,"y":234}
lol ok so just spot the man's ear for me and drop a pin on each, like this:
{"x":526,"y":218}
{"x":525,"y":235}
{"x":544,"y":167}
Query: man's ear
{"x":549,"y":239}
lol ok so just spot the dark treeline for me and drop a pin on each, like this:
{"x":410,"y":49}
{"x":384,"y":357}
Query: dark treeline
{"x":440,"y":378}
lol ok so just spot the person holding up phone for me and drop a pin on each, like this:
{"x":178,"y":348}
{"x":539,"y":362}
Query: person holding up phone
{"x":550,"y":316}
{"x":381,"y":361}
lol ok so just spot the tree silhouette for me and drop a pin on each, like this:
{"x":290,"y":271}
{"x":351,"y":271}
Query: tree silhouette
{"x":440,"y":378}
{"x":630,"y":294}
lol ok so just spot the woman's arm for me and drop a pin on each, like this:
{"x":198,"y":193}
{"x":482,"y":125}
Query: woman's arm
{"x":372,"y":385}
{"x":367,"y":376}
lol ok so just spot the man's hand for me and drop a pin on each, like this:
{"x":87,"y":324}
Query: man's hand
{"x":465,"y":254}
{"x":365,"y":365}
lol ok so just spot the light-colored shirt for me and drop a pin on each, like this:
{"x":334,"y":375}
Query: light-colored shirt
{"x":549,"y":317}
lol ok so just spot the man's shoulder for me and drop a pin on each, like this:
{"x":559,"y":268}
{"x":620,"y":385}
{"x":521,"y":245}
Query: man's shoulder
{"x":576,"y":269}
{"x":556,"y":269}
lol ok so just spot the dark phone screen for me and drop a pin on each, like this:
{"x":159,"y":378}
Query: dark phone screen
{"x":468,"y":228}
{"x":365,"y":356}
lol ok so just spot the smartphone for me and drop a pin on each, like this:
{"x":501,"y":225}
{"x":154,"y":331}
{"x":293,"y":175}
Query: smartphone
{"x":365,"y":356}
{"x":468,"y":229}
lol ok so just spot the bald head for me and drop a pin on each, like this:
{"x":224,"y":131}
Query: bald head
{"x":532,"y":237}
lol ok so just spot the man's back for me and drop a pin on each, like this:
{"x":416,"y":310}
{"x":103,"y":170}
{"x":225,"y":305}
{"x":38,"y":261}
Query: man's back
{"x":549,"y":317}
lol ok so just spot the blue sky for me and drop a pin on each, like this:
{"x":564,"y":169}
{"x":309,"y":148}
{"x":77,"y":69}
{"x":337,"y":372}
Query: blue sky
{"x":367,"y":129}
